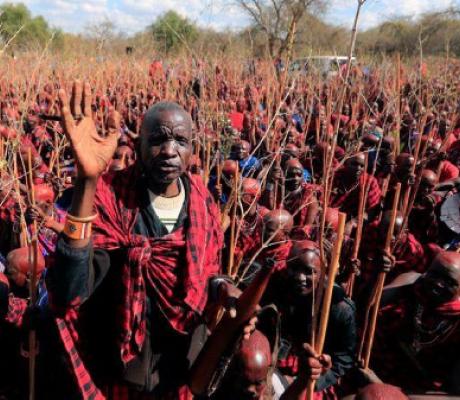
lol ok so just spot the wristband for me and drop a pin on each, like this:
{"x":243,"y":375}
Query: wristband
{"x":77,"y":230}
{"x":91,"y":218}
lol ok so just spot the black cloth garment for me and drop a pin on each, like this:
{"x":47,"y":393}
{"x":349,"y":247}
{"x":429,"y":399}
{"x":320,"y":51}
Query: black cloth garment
{"x":341,"y":335}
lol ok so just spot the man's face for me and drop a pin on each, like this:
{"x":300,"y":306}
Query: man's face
{"x":294,"y":177}
{"x":404,"y":167}
{"x":440,"y":283}
{"x":250,"y":380}
{"x":426,"y":186}
{"x":289,"y":154}
{"x":240,"y":151}
{"x":355,"y":166}
{"x":165,"y":146}
{"x":303,"y":273}
{"x":273,"y":228}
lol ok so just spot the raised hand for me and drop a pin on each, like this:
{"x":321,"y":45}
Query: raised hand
{"x":92,"y":152}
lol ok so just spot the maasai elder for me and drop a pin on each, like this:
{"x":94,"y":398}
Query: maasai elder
{"x":294,"y":299}
{"x":140,"y":281}
{"x":418,"y":338}
{"x":346,"y":188}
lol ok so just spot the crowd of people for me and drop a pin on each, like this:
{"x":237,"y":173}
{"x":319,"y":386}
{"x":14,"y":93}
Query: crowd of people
{"x":210,"y":232}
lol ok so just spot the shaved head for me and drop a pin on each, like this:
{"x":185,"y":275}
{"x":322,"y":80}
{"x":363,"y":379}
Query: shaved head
{"x":277,"y":225}
{"x":153,"y":115}
{"x":380,"y":391}
{"x":294,"y":163}
{"x":280,"y":217}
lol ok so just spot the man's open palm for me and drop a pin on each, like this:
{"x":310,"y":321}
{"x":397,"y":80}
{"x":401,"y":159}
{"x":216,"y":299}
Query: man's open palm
{"x":92,"y":151}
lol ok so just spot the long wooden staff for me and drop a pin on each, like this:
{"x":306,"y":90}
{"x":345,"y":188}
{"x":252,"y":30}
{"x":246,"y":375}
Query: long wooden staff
{"x":327,"y":298}
{"x":408,"y":190}
{"x":33,"y":257}
{"x":380,"y":282}
{"x":359,"y":227}
{"x":207,"y":162}
{"x":231,"y":250}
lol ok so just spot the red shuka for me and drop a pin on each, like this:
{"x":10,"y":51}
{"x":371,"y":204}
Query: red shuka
{"x":151,"y":265}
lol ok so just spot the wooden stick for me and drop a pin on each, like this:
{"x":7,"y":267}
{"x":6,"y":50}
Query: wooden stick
{"x":359,"y":226}
{"x":381,"y":280}
{"x":207,"y":162}
{"x":231,"y":251}
{"x":326,"y":304}
{"x":33,"y":258}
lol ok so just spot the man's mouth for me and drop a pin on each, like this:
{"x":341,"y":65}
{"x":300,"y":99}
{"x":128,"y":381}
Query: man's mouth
{"x":167,"y":167}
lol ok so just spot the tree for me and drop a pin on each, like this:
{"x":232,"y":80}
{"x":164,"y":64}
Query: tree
{"x":172,"y":31}
{"x":274,"y":17}
{"x":102,"y":32}
{"x":18,"y":26}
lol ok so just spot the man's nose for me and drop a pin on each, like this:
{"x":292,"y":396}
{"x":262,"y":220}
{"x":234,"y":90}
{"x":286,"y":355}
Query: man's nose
{"x":168,"y":148}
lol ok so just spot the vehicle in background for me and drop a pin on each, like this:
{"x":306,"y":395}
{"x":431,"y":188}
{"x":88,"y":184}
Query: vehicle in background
{"x":327,"y":66}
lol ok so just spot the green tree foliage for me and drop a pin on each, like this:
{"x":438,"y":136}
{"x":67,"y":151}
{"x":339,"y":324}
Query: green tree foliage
{"x":431,"y":34}
{"x":24,"y":31}
{"x":172,"y":31}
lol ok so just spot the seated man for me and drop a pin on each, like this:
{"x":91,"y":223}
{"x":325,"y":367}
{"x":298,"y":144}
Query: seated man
{"x":294,"y":297}
{"x":408,"y":253}
{"x":418,"y":337}
{"x":346,"y":188}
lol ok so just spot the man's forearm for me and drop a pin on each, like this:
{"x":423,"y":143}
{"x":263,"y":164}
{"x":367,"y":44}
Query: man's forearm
{"x":82,"y":205}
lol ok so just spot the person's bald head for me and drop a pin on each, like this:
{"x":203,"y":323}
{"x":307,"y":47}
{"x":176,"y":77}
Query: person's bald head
{"x":380,"y":391}
{"x":289,"y":152}
{"x":250,"y":194}
{"x":251,"y":366}
{"x":354,"y":166}
{"x":441,"y":282}
{"x":240,"y":150}
{"x":385,"y":223}
{"x":294,"y":174}
{"x":165,"y":142}
{"x":404,"y":164}
{"x":388,"y":143}
{"x":277,"y":224}
{"x":428,"y":181}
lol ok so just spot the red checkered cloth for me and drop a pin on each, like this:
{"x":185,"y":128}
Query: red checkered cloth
{"x":16,"y":309}
{"x":249,"y":239}
{"x":299,"y":206}
{"x":348,"y":201}
{"x":278,"y":252}
{"x":8,"y":209}
{"x":409,"y":254}
{"x":151,"y":266}
{"x":397,"y":363}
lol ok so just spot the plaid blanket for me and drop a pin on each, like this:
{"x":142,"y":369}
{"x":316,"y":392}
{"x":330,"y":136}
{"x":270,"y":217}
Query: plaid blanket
{"x":151,"y":267}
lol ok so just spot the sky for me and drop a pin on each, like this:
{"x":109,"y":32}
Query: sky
{"x":131,"y":16}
